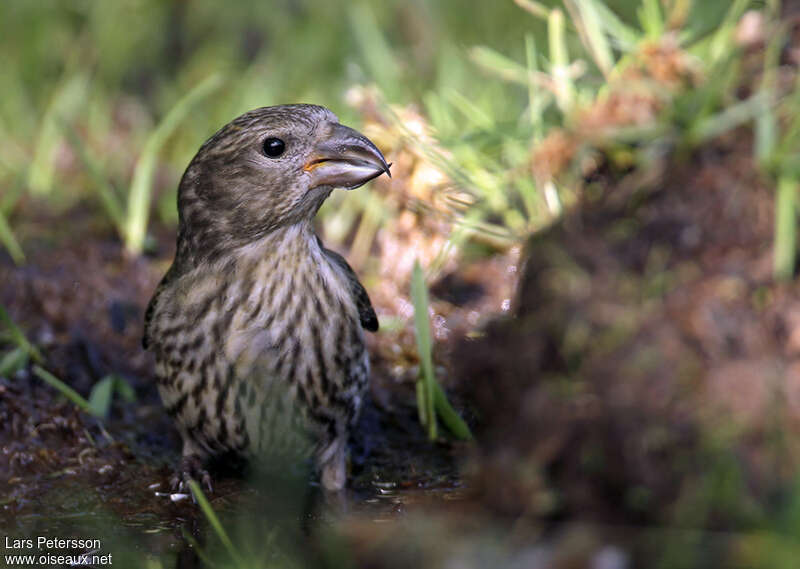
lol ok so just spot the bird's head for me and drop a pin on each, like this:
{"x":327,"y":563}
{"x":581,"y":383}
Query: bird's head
{"x":269,"y":168}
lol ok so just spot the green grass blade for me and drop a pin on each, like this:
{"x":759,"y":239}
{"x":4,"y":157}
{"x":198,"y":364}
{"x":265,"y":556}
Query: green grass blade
{"x":788,"y":144}
{"x":722,"y":41}
{"x":419,"y":298}
{"x":198,"y":549}
{"x":216,"y":525}
{"x":100,"y":397}
{"x":422,"y":406}
{"x":377,"y":54}
{"x":454,"y":423}
{"x":124,"y":388}
{"x":472,"y":112}
{"x":65,"y":389}
{"x":431,"y":398}
{"x":10,"y":242}
{"x":499,"y":65}
{"x":730,"y":118}
{"x":535,"y":8}
{"x":18,"y":337}
{"x":439,"y":114}
{"x":624,"y":36}
{"x":65,"y":103}
{"x":531,"y":197}
{"x":766,"y":127}
{"x":13,"y":361}
{"x":108,"y":197}
{"x":785,"y":228}
{"x":12,"y":191}
{"x":590,"y":29}
{"x":142,"y":185}
{"x":766,"y":137}
{"x":651,"y":18}
{"x":559,"y":59}
{"x":535,"y":104}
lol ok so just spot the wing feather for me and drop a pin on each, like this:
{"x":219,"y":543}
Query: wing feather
{"x":366,"y":313}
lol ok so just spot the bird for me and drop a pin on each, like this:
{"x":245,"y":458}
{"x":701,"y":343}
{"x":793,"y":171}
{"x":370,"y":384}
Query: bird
{"x":257,"y":329}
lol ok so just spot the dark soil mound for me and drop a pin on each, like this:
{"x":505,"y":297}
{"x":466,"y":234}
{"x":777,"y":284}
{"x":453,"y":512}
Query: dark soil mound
{"x":651,"y":372}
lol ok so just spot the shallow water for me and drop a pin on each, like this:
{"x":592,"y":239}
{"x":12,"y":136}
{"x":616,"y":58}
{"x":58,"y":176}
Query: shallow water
{"x":80,"y":483}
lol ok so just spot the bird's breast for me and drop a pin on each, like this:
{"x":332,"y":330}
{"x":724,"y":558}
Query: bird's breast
{"x":267,"y":337}
{"x":295,"y":324}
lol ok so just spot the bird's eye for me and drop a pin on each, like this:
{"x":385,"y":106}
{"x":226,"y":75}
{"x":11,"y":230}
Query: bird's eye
{"x":274,"y":147}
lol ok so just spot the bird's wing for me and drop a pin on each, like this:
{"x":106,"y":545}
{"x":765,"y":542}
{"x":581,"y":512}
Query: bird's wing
{"x":148,"y":314}
{"x":369,"y":320}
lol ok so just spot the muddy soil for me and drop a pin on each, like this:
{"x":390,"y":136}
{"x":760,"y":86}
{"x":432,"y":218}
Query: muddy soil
{"x":80,"y":299}
{"x":644,"y":395}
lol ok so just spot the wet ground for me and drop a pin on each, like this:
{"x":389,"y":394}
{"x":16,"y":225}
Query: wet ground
{"x":65,"y":473}
{"x":639,"y":404}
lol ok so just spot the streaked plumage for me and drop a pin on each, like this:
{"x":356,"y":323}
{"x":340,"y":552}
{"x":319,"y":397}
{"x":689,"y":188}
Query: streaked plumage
{"x":257,"y":329}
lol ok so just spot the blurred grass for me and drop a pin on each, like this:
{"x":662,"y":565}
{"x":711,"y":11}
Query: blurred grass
{"x":140,"y":194}
{"x":118,"y":72}
{"x":216,"y":525}
{"x":431,"y":398}
{"x":17,"y":337}
{"x":10,"y":242}
{"x":23,"y":351}
{"x":99,"y":99}
{"x":426,"y":381}
{"x":124,"y":102}
{"x":62,"y":387}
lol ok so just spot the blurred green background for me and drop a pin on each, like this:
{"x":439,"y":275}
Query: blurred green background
{"x":107,"y":101}
{"x":110,"y":72}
